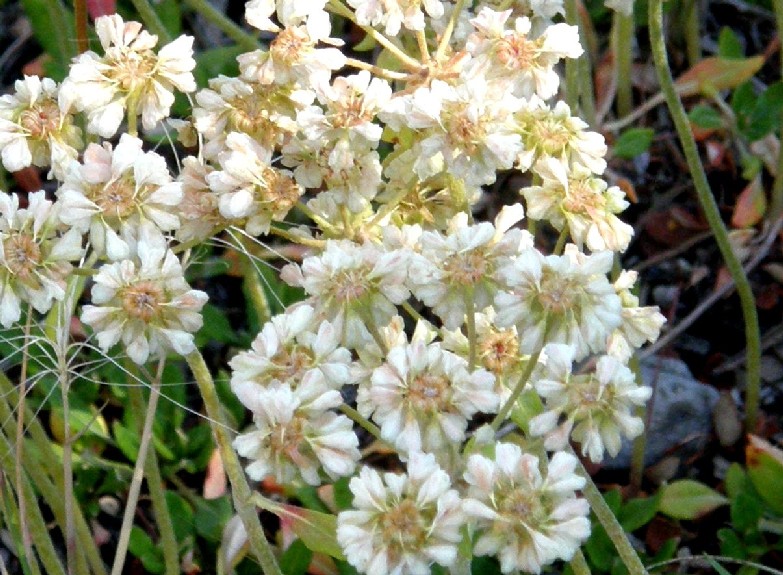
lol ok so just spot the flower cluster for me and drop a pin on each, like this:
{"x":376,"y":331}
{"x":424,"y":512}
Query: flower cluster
{"x":387,"y":166}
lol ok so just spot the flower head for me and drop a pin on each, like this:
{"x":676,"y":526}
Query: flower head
{"x":145,"y":303}
{"x":401,"y":523}
{"x":35,"y":255}
{"x":117,"y":191}
{"x":35,"y":129}
{"x":526,"y":518}
{"x":129,"y":76}
{"x":595,"y":409}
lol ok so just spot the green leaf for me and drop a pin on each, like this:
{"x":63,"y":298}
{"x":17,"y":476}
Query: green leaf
{"x":170,"y":15}
{"x":128,"y":441}
{"x":746,"y":511}
{"x":730,"y":544}
{"x":296,"y":559}
{"x":729,"y":45}
{"x":765,"y":117}
{"x":600,"y":549}
{"x":633,"y":142}
{"x":484,"y":566}
{"x":141,"y":546}
{"x":706,"y":117}
{"x":765,"y":469}
{"x":689,"y":499}
{"x":614,"y":500}
{"x":316,"y":530}
{"x":526,"y":408}
{"x":714,"y":74}
{"x":216,"y":327}
{"x":217,"y":61}
{"x":343,"y":497}
{"x":45,"y":16}
{"x":736,"y":480}
{"x":743,"y":99}
{"x":181,"y":515}
{"x":638,"y":512}
{"x":210,"y":517}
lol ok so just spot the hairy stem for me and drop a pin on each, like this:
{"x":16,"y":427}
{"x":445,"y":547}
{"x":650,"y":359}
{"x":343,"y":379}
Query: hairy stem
{"x":610,"y":523}
{"x":711,"y":212}
{"x":520,"y":387}
{"x":622,"y":36}
{"x":80,"y":13}
{"x":240,"y":490}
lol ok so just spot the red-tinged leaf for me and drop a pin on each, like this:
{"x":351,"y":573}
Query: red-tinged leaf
{"x":716,"y":154}
{"x":215,"y":482}
{"x":101,"y":8}
{"x":715,"y":74}
{"x":628,"y":188}
{"x":723,"y":278}
{"x":751,"y":205}
{"x":765,"y":469}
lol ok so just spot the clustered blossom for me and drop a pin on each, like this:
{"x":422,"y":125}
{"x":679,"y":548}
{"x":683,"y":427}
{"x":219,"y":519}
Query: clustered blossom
{"x":418,"y":323}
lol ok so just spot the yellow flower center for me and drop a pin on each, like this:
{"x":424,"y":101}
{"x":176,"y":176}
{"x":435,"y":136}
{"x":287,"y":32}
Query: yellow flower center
{"x":117,"y":198}
{"x":427,"y":392}
{"x":499,"y":351}
{"x":290,"y":45}
{"x":402,"y":529}
{"x":466,"y":268}
{"x":42,"y":120}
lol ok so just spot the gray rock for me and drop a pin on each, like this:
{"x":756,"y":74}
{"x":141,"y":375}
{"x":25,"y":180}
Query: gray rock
{"x":682,"y":413}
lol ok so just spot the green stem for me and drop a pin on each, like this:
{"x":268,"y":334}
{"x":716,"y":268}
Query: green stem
{"x":155,"y":482}
{"x":241,"y":492}
{"x":49,"y":461}
{"x":579,"y":564}
{"x":152,"y":20}
{"x":224,"y":24}
{"x":711,"y":212}
{"x":363,"y":422}
{"x":587,"y":90}
{"x":135,"y":487}
{"x":36,"y":524}
{"x":692,"y":33}
{"x":572,"y":64}
{"x":561,"y":240}
{"x":520,"y":387}
{"x":776,"y":195}
{"x":80,"y":14}
{"x":609,"y":522}
{"x":622,"y":36}
{"x":444,"y":41}
{"x":640,"y":443}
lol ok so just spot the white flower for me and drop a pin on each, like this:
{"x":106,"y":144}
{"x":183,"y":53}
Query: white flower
{"x":35,"y":129}
{"x":555,"y":133}
{"x":525,"y":62}
{"x":116,"y":192}
{"x":129,"y":76}
{"x":294,"y":349}
{"x":265,"y":113}
{"x":198,"y":211}
{"x":402,"y":523}
{"x":463,"y":263}
{"x":292,"y":59}
{"x":596,"y":410}
{"x":296,"y":435}
{"x":351,"y":284}
{"x":583,"y":202}
{"x":290,"y":13}
{"x":639,"y":324}
{"x":249,"y":187}
{"x":559,"y":299}
{"x":395,"y":13}
{"x":423,"y":396}
{"x":525,"y":518}
{"x":470,"y":126}
{"x":145,"y":303}
{"x":34,"y":256}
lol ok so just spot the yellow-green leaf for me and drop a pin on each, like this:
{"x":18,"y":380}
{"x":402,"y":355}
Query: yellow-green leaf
{"x":689,"y":499}
{"x":765,"y":469}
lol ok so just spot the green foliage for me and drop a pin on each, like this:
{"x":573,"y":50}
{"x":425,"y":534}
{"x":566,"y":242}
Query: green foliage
{"x":633,"y":142}
{"x":689,"y":499}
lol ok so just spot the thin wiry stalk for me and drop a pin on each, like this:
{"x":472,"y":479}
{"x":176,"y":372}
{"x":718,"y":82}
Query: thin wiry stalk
{"x":23,"y":528}
{"x":135,"y":487}
{"x":711,"y":212}
{"x":224,"y":24}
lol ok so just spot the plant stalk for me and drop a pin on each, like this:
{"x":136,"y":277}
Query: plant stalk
{"x":224,"y":24}
{"x":240,"y":490}
{"x":711,"y":212}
